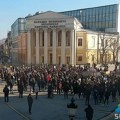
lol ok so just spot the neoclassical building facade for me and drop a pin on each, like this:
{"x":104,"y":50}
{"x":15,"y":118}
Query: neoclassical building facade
{"x":51,"y":38}
{"x":54,"y":38}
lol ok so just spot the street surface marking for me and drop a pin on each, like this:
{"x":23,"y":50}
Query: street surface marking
{"x":25,"y":117}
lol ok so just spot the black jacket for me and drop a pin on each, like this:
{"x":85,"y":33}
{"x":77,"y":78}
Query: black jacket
{"x":6,"y":90}
{"x":30,"y":100}
{"x":89,"y":112}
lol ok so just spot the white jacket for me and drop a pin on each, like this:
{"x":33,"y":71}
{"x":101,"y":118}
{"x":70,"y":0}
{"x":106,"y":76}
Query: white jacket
{"x":36,"y":88}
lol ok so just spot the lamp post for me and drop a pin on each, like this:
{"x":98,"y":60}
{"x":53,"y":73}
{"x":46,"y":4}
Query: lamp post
{"x":72,"y":107}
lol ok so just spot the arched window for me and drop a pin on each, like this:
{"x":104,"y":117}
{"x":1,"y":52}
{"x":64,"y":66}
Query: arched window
{"x":68,"y":38}
{"x":59,"y":38}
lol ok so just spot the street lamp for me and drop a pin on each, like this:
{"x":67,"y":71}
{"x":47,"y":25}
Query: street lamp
{"x":72,"y":107}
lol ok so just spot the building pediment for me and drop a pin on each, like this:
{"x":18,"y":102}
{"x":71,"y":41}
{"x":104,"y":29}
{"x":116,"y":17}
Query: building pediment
{"x":52,"y":20}
{"x":48,"y":15}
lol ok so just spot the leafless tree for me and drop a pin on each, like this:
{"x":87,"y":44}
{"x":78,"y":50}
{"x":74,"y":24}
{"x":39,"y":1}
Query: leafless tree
{"x":114,"y":47}
{"x":108,"y":42}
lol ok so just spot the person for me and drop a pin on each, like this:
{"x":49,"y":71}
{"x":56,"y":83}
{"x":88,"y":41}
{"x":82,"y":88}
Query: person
{"x":50,"y":91}
{"x":20,"y":90}
{"x":95,"y":96}
{"x":30,"y":102}
{"x":36,"y":90}
{"x":6,"y":93}
{"x":89,"y":112}
{"x":65,"y":89}
{"x":87,"y":94}
{"x":107,"y":94}
{"x":11,"y":86}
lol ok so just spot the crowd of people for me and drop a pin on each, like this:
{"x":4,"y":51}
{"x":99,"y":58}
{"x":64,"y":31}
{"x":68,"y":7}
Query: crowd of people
{"x":64,"y":80}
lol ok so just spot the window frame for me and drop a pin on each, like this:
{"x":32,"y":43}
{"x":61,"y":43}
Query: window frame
{"x":81,"y":43}
{"x":80,"y":59}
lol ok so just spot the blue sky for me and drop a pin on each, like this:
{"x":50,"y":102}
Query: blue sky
{"x":10,"y":10}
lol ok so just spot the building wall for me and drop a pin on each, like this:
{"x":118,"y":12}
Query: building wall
{"x":86,"y":53}
{"x":22,"y":48}
{"x":19,"y":26}
{"x":81,"y":50}
{"x":92,"y":46}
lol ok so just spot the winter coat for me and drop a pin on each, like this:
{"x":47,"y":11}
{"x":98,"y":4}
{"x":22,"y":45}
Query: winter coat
{"x":36,"y":88}
{"x":6,"y":90}
{"x":30,"y":100}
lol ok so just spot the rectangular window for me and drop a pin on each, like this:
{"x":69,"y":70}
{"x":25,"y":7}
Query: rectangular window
{"x":106,"y":24}
{"x":59,"y":38}
{"x":92,"y":45}
{"x":50,"y":42}
{"x":59,"y":42}
{"x":110,"y":24}
{"x":42,"y":59}
{"x":42,"y":42}
{"x":79,"y":41}
{"x":67,"y":42}
{"x":59,"y":60}
{"x":50,"y":58}
{"x":51,"y":38}
{"x":67,"y":38}
{"x":100,"y":24}
{"x":79,"y":58}
{"x":68,"y":59}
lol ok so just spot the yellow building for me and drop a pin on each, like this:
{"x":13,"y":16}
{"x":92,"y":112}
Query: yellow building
{"x":81,"y":45}
{"x":53,"y":38}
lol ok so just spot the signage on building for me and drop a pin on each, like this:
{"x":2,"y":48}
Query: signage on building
{"x":50,"y":23}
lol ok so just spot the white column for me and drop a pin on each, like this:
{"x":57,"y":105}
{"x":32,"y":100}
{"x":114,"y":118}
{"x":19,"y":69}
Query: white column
{"x":40,"y":43}
{"x":63,"y":47}
{"x":72,"y":47}
{"x":75,"y":45}
{"x":54,"y":47}
{"x":29,"y":48}
{"x":45,"y":47}
{"x":37,"y":47}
